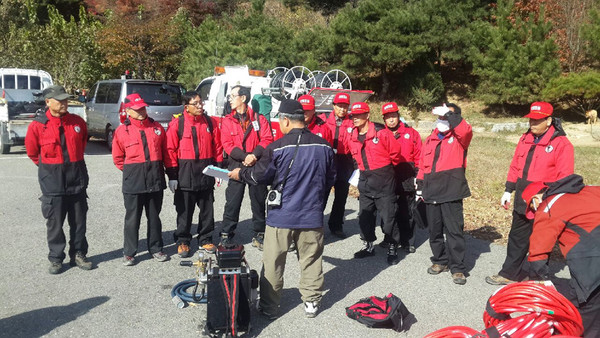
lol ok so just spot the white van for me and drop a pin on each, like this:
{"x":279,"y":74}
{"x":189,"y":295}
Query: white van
{"x":21,"y":91}
{"x":104,"y":108}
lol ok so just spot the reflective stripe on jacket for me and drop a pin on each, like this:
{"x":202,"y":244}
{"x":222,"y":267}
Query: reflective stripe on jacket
{"x":574,"y":220}
{"x":310,"y":179}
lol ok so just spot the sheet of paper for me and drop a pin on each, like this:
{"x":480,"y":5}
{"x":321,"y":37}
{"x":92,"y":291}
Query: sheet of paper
{"x":216,"y":172}
{"x":354,"y":178}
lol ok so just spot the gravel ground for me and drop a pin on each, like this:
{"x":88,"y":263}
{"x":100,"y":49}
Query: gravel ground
{"x":117,"y":301}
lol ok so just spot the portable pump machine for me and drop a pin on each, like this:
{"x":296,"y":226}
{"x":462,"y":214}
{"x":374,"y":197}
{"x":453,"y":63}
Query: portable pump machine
{"x":230,"y":288}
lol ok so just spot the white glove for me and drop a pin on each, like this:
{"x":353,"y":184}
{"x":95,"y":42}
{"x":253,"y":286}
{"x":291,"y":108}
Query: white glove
{"x":418,"y":195}
{"x":505,"y":200}
{"x":440,"y":111}
{"x":173,"y":185}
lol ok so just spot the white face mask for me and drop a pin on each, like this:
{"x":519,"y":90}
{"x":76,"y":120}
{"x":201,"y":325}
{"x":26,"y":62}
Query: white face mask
{"x":442,"y":125}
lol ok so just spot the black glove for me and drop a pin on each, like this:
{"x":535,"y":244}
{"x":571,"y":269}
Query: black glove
{"x":453,"y":118}
{"x":538,"y":270}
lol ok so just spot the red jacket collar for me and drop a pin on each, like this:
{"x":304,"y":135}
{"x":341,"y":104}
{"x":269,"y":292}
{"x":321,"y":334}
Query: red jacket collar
{"x":191,"y":117}
{"x":545,"y":138}
{"x":371,"y":133}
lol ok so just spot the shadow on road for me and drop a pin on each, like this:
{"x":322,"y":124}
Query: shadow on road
{"x":40,"y":322}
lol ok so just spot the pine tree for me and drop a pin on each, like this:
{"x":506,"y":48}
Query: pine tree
{"x":516,"y":57}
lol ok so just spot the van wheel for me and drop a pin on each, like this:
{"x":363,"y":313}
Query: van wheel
{"x":110,"y":134}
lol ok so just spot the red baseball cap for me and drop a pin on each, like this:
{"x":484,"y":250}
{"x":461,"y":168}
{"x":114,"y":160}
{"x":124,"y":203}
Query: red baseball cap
{"x":532,"y":190}
{"x":341,"y":98}
{"x":539,"y":110}
{"x":390,"y":107}
{"x":307,"y":102}
{"x":359,"y":108}
{"x":134,"y":101}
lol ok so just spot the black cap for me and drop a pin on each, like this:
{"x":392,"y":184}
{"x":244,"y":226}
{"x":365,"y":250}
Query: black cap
{"x":291,"y":107}
{"x":56,"y":92}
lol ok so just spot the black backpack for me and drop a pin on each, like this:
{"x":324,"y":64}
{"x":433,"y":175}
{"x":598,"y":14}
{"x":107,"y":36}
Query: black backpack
{"x":387,"y":312}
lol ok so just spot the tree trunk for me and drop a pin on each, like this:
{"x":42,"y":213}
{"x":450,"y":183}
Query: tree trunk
{"x":385,"y":82}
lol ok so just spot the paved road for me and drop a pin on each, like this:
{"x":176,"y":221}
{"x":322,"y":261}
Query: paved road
{"x":117,"y":301}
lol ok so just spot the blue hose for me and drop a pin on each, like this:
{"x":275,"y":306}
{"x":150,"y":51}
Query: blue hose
{"x":180,"y":288}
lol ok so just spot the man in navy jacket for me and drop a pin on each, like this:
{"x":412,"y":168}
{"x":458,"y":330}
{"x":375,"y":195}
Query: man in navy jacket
{"x":300,"y":169}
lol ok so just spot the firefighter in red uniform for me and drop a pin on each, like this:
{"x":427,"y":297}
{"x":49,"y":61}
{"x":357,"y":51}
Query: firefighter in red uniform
{"x":193,"y":142}
{"x":341,"y":128}
{"x":376,"y":152}
{"x":543,"y":154}
{"x":55,"y":142}
{"x":314,"y":123}
{"x":410,"y":149}
{"x":140,"y":151}
{"x":568,"y":211}
{"x":244,"y":135}
{"x":442,"y":184}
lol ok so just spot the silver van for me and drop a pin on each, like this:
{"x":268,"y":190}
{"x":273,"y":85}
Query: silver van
{"x":104,"y":104}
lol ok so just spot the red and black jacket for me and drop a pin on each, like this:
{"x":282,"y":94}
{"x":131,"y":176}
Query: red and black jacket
{"x":320,"y":128}
{"x":376,"y":157}
{"x":569,"y":213}
{"x":241,"y":139}
{"x":340,"y":134}
{"x":193,"y":143}
{"x":56,"y":145}
{"x":548,"y":160}
{"x":410,"y":150}
{"x":443,"y":162}
{"x":139,"y":150}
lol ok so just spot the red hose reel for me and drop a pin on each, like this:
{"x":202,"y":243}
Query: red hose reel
{"x":523,"y":310}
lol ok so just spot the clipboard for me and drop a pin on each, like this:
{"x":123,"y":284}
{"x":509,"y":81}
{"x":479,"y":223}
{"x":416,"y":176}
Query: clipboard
{"x":216,"y":172}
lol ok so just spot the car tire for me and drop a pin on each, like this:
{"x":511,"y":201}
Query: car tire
{"x":110,"y":134}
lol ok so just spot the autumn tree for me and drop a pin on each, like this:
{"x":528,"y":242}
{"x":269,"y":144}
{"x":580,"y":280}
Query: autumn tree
{"x":147,"y":45}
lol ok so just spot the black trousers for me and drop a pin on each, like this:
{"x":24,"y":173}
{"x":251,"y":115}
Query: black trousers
{"x":405,"y":219}
{"x":589,"y":311}
{"x":234,"y":194}
{"x":515,"y":265}
{"x":134,"y":204}
{"x":185,"y":205}
{"x":368,"y":208}
{"x":55,"y":209}
{"x":447,"y":218}
{"x":344,"y":169}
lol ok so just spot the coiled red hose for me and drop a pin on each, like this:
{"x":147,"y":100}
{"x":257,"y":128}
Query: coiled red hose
{"x":523,"y":310}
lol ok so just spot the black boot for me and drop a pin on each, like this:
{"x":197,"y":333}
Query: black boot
{"x":392,"y":254}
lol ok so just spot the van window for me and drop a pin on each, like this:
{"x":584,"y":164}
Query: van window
{"x":114,"y":92}
{"x":22,"y":82}
{"x":9,"y":81}
{"x":204,"y":89}
{"x":35,"y":82}
{"x":91,"y":93}
{"x":108,"y":93}
{"x":157,"y":94}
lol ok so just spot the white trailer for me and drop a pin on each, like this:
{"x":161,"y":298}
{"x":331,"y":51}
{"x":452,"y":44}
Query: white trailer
{"x":18,"y":103}
{"x":279,"y":83}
